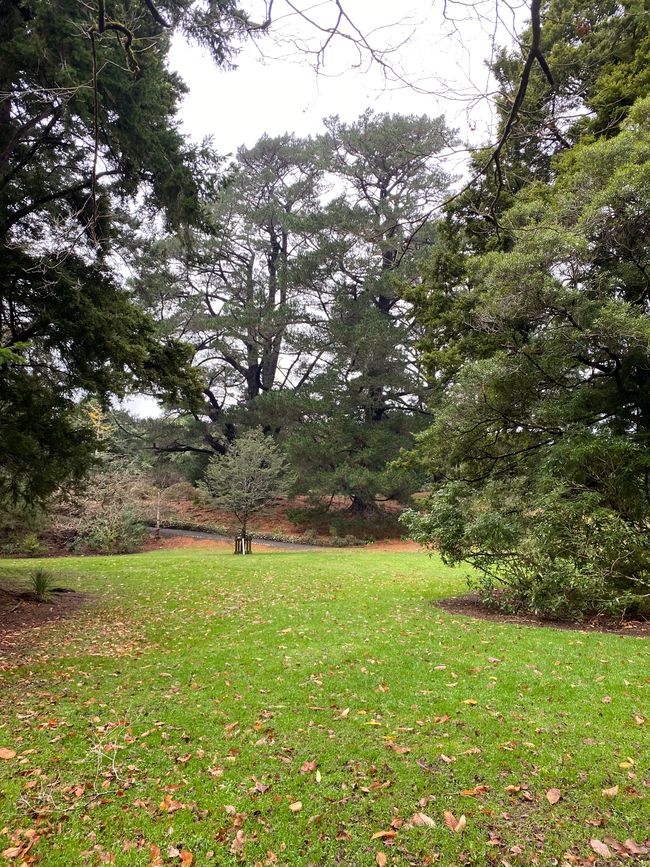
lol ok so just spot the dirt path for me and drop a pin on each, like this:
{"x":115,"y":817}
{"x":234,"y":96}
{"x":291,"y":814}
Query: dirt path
{"x":227,"y":541}
{"x":181,"y":539}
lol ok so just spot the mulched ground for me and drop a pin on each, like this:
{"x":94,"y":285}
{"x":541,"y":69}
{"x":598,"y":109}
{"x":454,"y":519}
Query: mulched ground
{"x":20,"y":612}
{"x":471,"y":606}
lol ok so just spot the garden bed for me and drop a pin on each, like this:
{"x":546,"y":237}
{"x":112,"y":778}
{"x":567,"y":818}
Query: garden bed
{"x":470,"y":605}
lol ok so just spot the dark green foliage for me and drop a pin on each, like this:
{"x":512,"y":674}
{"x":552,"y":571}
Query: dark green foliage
{"x":541,"y":432}
{"x":294,"y":306}
{"x":86,"y":126}
{"x":251,"y":474}
{"x":341,"y":523}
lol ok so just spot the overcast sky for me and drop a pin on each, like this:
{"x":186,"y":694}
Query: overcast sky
{"x":276,"y":88}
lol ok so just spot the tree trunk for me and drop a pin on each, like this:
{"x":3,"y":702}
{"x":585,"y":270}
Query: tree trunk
{"x":158,"y":497}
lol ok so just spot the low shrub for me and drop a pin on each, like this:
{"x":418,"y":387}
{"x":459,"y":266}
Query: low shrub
{"x":379,"y":524}
{"x":556,"y":552}
{"x":115,"y":532}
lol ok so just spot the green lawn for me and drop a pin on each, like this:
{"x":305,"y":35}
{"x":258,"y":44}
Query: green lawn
{"x":201,"y":695}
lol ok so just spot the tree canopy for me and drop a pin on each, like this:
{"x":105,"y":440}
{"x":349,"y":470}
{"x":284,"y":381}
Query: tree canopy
{"x":87,"y":129}
{"x":537,"y":340}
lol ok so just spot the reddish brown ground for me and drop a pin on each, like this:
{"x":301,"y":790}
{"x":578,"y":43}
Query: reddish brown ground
{"x":273,"y":519}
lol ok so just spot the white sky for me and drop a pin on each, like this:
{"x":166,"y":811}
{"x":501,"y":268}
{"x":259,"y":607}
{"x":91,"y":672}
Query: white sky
{"x":276,"y":88}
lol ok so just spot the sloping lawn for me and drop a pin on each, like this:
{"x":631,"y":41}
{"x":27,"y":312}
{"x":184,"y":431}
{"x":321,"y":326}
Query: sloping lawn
{"x":287,"y":708}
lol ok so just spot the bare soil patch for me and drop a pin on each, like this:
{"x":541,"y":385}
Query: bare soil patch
{"x":471,"y":606}
{"x":20,"y":612}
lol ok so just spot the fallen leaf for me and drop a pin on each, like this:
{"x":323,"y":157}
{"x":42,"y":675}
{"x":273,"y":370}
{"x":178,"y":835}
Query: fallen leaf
{"x":384,"y":835}
{"x":606,"y":699}
{"x":422,"y":820}
{"x":296,"y":807}
{"x":6,"y":754}
{"x":477,"y":790}
{"x":381,"y":859}
{"x":308,"y":767}
{"x":553,"y":796}
{"x":600,"y":848}
{"x":610,"y":793}
{"x":186,"y":858}
{"x":237,"y":846}
{"x":470,"y":701}
{"x":454,"y":824}
{"x":396,"y":748}
{"x":636,"y":849}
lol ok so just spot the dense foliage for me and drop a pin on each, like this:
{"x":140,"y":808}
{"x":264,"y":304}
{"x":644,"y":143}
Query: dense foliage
{"x":293,"y":305}
{"x":251,"y":474}
{"x":87,"y":127}
{"x":538,"y":338}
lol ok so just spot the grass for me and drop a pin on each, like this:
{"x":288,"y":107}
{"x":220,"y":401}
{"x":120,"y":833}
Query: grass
{"x":152,"y":724}
{"x":41,"y":584}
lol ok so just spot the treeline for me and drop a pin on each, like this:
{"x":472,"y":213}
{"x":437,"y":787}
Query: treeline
{"x":294,"y":307}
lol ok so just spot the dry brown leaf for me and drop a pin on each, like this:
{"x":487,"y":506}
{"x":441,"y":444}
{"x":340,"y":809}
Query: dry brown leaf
{"x":636,"y":849}
{"x":6,"y":754}
{"x":477,"y":790}
{"x":384,"y":835}
{"x":237,"y":846}
{"x":610,"y":793}
{"x":296,"y":807}
{"x":422,"y":820}
{"x":396,"y":748}
{"x":381,"y":859}
{"x":600,"y":848}
{"x":553,"y":796}
{"x":186,"y":858}
{"x":454,"y":824}
{"x":308,"y":767}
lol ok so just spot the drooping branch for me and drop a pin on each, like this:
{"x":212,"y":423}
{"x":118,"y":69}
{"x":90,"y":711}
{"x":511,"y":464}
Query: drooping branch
{"x":534,"y":55}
